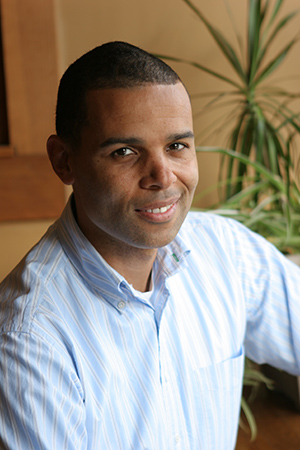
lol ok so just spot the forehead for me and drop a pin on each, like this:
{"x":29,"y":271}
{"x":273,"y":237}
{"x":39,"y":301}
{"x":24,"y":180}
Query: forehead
{"x":147,"y":103}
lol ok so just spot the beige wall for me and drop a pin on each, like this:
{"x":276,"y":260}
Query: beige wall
{"x":16,"y":238}
{"x":168,"y":27}
{"x":162,"y":26}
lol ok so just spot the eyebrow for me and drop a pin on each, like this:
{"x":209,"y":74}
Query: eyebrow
{"x":120,"y":140}
{"x":178,"y":136}
{"x":136,"y":141}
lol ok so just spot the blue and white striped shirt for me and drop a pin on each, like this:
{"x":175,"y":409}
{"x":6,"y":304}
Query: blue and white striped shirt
{"x":87,"y":363}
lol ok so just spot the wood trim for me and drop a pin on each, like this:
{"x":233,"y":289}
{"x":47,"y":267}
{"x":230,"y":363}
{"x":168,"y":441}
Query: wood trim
{"x":3,"y":111}
{"x":6,"y":151}
{"x":29,"y":189}
{"x":31,"y":73}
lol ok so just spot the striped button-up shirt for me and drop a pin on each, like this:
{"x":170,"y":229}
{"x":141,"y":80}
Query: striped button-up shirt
{"x":89,"y":363}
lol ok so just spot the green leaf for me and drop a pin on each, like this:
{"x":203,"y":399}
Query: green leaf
{"x":264,"y":203}
{"x":281,"y":111}
{"x":254,"y":23}
{"x":233,"y":145}
{"x":246,"y":137}
{"x":250,"y":418}
{"x":264,"y":10}
{"x":274,"y":34}
{"x":273,"y":64}
{"x":276,"y":181}
{"x":246,"y":193}
{"x":272,"y":151}
{"x":257,"y":376}
{"x":201,"y":67}
{"x":222,"y":42}
{"x":259,"y":137}
{"x":289,"y":120}
{"x":236,"y":32}
{"x":276,"y":9}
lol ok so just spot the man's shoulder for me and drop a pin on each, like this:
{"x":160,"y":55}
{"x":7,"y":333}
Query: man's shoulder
{"x":210,"y":226}
{"x":44,"y":259}
{"x":23,"y":290}
{"x":203,"y":219}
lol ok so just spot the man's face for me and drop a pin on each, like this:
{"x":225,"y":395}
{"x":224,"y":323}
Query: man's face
{"x":135,"y":171}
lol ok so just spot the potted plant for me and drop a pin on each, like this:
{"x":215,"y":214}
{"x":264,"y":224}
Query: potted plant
{"x":259,"y":175}
{"x":263,"y":164}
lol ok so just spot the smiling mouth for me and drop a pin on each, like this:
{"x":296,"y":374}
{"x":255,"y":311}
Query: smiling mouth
{"x":158,"y":214}
{"x":159,"y":210}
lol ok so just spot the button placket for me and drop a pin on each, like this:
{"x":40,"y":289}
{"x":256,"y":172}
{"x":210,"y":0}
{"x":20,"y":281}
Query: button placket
{"x":121,"y":305}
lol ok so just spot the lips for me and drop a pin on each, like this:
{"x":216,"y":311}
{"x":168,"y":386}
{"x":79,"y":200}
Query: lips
{"x":161,"y":210}
{"x":158,"y":207}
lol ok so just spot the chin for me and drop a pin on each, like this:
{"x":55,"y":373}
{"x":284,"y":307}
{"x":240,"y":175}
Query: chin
{"x":159,"y":242}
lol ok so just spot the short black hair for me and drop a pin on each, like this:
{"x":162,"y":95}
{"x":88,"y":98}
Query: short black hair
{"x":111,"y":65}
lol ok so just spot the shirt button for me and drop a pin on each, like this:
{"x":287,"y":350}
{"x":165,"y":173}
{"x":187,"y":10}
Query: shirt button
{"x":177,"y":439}
{"x":121,"y":305}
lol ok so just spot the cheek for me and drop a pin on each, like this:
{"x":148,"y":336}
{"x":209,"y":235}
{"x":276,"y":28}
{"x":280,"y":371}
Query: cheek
{"x":191,"y":176}
{"x":109,"y":193}
{"x":196,"y":177}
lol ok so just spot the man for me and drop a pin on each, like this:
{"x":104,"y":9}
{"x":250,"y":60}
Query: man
{"x":126,"y":326}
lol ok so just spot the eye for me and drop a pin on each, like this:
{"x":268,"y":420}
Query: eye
{"x":124,"y":151}
{"x":177,"y":146}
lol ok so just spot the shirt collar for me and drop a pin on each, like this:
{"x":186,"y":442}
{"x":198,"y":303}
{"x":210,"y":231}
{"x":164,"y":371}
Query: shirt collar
{"x":100,"y":276}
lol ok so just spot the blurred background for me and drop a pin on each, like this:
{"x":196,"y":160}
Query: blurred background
{"x":41,"y":38}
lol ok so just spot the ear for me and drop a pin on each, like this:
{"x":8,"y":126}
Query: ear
{"x":59,"y":154}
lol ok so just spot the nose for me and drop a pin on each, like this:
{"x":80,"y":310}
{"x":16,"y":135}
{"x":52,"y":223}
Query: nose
{"x":158,"y":173}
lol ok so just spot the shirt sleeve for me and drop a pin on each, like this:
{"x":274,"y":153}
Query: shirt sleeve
{"x":270,"y":283}
{"x":42,"y":405}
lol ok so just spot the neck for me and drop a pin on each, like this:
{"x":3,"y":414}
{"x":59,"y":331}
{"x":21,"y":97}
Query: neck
{"x":136,"y":270}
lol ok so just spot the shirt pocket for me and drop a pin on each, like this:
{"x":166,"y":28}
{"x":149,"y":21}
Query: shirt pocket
{"x":218,"y":390}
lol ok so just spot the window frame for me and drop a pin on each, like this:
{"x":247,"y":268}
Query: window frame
{"x":29,"y":189}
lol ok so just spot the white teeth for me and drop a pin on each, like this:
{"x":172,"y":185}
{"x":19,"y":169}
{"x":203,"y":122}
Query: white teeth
{"x":159,"y":210}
